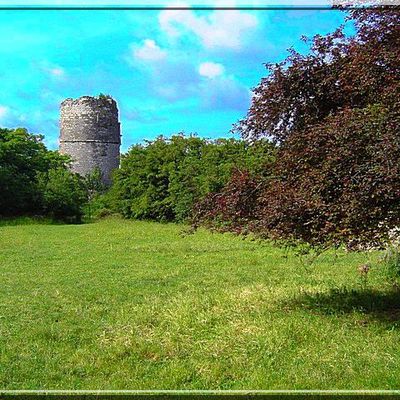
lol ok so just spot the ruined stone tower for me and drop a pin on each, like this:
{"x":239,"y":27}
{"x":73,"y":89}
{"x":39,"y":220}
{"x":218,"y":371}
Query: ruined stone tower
{"x":90,"y":134}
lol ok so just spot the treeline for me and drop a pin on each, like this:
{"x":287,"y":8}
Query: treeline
{"x":163,"y":179}
{"x":159,"y":180}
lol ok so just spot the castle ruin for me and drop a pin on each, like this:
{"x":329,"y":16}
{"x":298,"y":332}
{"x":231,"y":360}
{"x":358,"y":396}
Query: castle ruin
{"x":90,"y":134}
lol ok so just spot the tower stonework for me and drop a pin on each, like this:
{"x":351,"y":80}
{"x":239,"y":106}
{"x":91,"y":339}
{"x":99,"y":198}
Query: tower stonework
{"x":90,"y":134}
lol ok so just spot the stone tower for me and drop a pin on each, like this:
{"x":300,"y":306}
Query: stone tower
{"x":90,"y":134}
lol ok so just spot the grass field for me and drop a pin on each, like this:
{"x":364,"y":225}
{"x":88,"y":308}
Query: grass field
{"x":135,"y":305}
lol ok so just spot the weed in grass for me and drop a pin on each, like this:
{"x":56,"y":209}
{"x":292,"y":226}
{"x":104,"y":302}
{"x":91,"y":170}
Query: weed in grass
{"x":363,"y":270}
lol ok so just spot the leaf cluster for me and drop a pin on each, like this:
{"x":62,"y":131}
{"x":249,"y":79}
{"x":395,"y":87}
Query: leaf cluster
{"x":35,"y":180}
{"x":163,"y":179}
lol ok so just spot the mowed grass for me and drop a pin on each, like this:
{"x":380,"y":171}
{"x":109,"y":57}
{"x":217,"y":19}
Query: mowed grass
{"x":135,"y":305}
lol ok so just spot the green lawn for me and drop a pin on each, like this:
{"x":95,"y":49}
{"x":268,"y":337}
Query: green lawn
{"x":135,"y":305}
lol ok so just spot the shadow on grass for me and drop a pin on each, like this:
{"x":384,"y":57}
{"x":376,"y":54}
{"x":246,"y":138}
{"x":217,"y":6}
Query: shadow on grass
{"x":382,"y":306}
{"x":38,"y":220}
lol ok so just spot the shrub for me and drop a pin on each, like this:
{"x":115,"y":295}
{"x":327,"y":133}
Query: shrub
{"x":233,"y":208}
{"x":36,"y":181}
{"x":95,"y":189}
{"x":163,"y":179}
{"x":62,"y":194}
{"x":22,"y":156}
{"x":338,"y":181}
{"x":97,"y":207}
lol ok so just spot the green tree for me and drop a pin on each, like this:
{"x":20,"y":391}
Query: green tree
{"x":163,"y":179}
{"x":95,"y":189}
{"x":22,"y":157}
{"x":63,"y":194}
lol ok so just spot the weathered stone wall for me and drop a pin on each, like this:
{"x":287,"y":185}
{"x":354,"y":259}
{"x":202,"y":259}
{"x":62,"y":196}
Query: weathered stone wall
{"x":90,"y":134}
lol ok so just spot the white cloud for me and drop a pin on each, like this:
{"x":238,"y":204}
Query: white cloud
{"x":224,"y":93}
{"x":149,"y":51}
{"x":53,"y":70}
{"x":211,"y":70}
{"x":57,"y":71}
{"x":3,"y":111}
{"x":219,"y":29}
{"x":10,"y":116}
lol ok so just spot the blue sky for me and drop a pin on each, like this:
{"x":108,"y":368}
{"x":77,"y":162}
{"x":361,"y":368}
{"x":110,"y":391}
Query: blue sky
{"x":169,"y":71}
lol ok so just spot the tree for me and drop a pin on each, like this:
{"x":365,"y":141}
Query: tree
{"x":63,"y":194}
{"x":334,"y":114}
{"x":338,"y":181}
{"x":22,"y":156}
{"x":163,"y":179}
{"x":339,"y":72}
{"x":37,"y":181}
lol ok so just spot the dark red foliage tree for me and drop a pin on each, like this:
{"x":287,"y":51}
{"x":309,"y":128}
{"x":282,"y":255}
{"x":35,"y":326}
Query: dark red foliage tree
{"x":338,"y":181}
{"x":335,"y":116}
{"x":233,"y":208}
{"x":338,"y":72}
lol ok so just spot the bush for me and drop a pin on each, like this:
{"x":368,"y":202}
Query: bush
{"x":22,"y":157}
{"x":233,"y":208}
{"x":63,"y":194}
{"x":338,"y":181}
{"x":97,"y":207}
{"x":163,"y":179}
{"x":35,"y":181}
{"x":95,"y":190}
